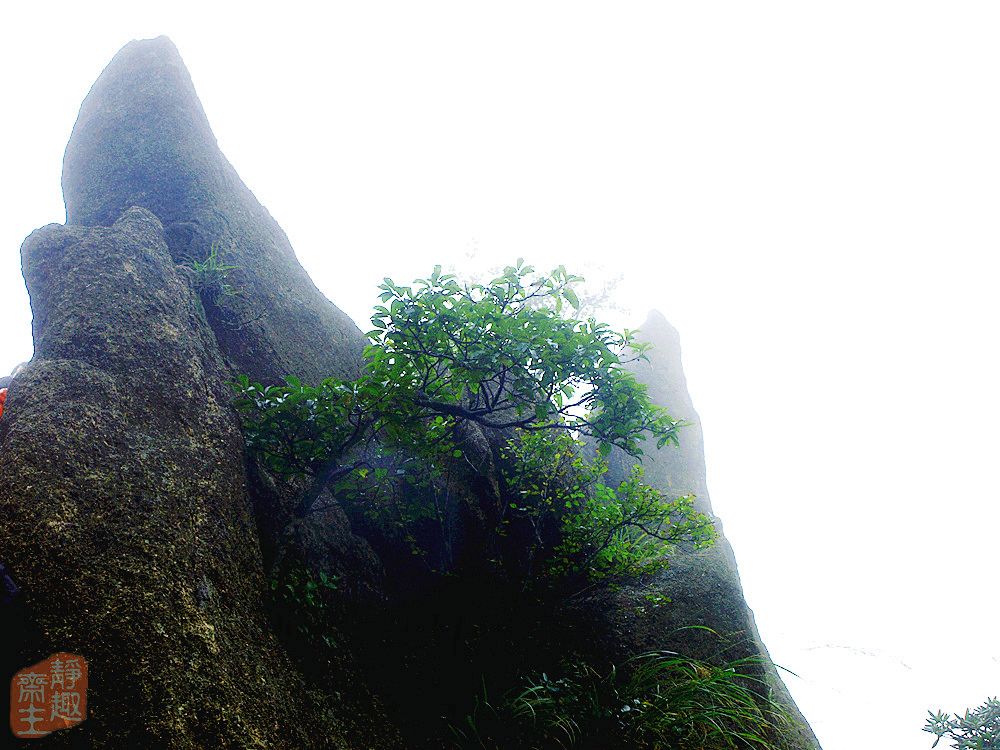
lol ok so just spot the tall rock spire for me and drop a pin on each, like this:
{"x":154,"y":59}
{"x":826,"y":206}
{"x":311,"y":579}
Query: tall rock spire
{"x":682,"y":467}
{"x":703,"y":587}
{"x":126,"y":512}
{"x":142,"y":139}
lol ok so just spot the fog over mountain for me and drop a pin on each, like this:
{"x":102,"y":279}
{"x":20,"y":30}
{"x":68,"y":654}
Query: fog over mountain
{"x":807,"y":195}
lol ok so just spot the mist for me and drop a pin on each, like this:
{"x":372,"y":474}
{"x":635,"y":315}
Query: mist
{"x":807,"y":194}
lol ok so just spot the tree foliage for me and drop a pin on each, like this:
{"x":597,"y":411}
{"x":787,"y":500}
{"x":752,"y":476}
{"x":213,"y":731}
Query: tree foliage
{"x":978,"y":729}
{"x":509,"y":357}
{"x":582,"y":526}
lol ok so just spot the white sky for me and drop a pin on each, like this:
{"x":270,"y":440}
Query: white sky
{"x":808,"y":191}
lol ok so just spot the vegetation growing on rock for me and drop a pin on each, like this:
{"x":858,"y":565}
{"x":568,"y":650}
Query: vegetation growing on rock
{"x":653,"y":700}
{"x":977,"y":729}
{"x":141,"y":536}
{"x":508,"y":359}
{"x":451,"y":365}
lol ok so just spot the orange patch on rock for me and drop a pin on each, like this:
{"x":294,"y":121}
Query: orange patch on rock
{"x":48,"y":696}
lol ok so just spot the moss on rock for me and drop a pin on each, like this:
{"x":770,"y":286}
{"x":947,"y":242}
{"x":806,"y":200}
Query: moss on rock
{"x":125,"y":515}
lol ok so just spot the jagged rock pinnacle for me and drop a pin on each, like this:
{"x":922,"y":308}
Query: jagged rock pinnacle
{"x":142,"y":139}
{"x":703,"y":586}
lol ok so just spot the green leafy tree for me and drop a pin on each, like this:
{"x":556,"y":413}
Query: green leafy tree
{"x":978,"y":729}
{"x":509,"y":358}
{"x":580,"y":526}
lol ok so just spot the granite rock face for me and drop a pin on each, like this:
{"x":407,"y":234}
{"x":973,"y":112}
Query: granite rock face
{"x":142,"y":139}
{"x":123,"y":503}
{"x":143,"y":537}
{"x":703,"y":586}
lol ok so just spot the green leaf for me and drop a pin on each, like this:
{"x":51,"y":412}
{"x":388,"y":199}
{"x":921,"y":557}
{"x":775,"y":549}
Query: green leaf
{"x":510,"y":351}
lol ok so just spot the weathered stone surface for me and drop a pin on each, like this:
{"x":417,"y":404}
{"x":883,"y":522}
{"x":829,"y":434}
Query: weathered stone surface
{"x":703,"y":586}
{"x":123,"y":505}
{"x":127,"y":516}
{"x":142,"y":139}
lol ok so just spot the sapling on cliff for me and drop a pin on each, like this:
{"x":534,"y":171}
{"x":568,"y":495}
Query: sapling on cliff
{"x":508,"y":357}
